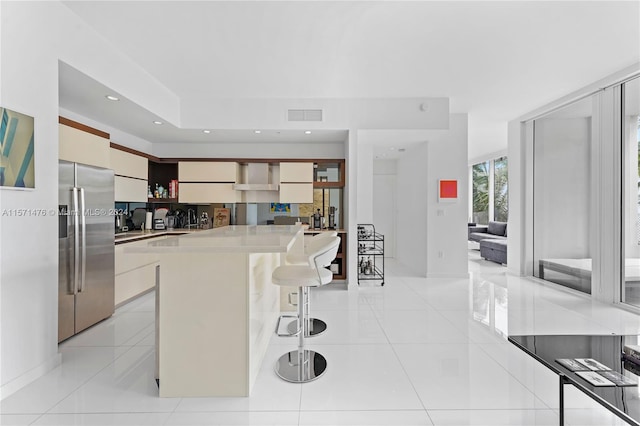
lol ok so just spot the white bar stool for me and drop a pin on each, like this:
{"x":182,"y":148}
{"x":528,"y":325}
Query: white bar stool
{"x":303,"y":365}
{"x":315,"y":326}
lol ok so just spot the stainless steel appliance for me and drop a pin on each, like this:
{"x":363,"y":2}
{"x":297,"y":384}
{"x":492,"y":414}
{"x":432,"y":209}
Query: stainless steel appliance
{"x":159,"y":218}
{"x":332,"y":217}
{"x":86,"y":247}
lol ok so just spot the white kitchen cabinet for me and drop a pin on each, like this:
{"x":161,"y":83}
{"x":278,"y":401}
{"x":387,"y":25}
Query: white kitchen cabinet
{"x":135,"y":273}
{"x":82,"y":147}
{"x":296,"y":193}
{"x":130,"y":189}
{"x":207,"y":193}
{"x":130,"y":165}
{"x":135,"y":282}
{"x":208,"y":171}
{"x":296,"y":172}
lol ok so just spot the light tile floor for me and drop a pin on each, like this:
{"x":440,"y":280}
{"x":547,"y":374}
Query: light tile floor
{"x":415,"y":352}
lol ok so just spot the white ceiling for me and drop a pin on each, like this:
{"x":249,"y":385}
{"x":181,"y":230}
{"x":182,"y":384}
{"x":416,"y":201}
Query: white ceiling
{"x":494,"y":60}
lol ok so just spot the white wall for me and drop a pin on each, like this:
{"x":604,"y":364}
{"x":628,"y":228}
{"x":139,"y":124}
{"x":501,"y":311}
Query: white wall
{"x":35,"y":35}
{"x":365,"y":183}
{"x":385,"y":203}
{"x":447,"y":222}
{"x":249,"y":150}
{"x":370,"y":113}
{"x":412,"y":177}
{"x":384,"y":210}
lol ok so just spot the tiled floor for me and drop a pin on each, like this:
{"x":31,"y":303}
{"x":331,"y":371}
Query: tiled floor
{"x":414,"y":352}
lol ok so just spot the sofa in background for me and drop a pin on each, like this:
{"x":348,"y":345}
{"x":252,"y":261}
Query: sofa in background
{"x":492,"y":239}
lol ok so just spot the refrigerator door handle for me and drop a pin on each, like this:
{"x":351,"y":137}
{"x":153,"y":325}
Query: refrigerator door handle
{"x":76,"y":241}
{"x":84,"y":242}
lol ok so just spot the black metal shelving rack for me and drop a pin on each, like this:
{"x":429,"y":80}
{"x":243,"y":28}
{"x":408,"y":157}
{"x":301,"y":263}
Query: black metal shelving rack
{"x":370,"y":254}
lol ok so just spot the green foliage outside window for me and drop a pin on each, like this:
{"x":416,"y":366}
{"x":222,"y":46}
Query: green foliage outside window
{"x":501,"y":190}
{"x":480,"y":181}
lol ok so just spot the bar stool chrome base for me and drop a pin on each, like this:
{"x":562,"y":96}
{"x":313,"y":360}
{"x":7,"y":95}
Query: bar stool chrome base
{"x":315,"y":327}
{"x":301,"y":366}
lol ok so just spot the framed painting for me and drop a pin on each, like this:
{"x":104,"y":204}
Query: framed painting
{"x":447,"y":191}
{"x":280,"y":208}
{"x":17,"y":169}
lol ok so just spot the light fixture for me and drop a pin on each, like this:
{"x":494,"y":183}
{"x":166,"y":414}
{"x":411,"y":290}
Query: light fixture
{"x":157,"y":122}
{"x":307,"y":132}
{"x":392,"y":149}
{"x":112,"y":98}
{"x":206,"y":131}
{"x":257,"y":132}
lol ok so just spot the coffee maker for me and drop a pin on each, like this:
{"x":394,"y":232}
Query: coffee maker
{"x":317,"y":220}
{"x":332,"y":217}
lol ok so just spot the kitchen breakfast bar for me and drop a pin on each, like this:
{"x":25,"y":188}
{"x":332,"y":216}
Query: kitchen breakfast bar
{"x":216,"y":307}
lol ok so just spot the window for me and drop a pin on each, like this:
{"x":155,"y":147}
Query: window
{"x":630,"y":262}
{"x":489,"y":191}
{"x":500,"y":190}
{"x":480,"y":182}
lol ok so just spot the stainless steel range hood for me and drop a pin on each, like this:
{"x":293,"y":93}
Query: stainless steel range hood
{"x":256,"y":177}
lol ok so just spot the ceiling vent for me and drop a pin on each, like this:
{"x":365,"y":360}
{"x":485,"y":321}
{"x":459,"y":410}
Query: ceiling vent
{"x":304,"y":115}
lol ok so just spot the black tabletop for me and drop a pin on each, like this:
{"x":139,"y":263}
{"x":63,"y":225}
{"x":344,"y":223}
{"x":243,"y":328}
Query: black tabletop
{"x":606,"y":350}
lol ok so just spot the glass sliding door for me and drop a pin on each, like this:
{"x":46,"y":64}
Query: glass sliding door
{"x":562,"y":196}
{"x":500,"y":190}
{"x":480,"y":188}
{"x":630,"y":269}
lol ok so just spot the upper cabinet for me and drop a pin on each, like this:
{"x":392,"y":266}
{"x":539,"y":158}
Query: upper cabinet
{"x":81,"y":146}
{"x":296,"y":182}
{"x":208,"y":181}
{"x":207,"y":192}
{"x":296,"y":172}
{"x":208,"y":171}
{"x":127,"y":164}
{"x":131,"y":172}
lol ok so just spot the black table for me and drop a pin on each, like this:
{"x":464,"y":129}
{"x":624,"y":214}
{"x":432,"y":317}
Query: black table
{"x":624,"y":402}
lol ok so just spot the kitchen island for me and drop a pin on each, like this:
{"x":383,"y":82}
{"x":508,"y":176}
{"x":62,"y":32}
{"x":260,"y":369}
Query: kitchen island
{"x":216,"y":307}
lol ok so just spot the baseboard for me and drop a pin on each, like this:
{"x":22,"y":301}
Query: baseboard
{"x":30,"y":376}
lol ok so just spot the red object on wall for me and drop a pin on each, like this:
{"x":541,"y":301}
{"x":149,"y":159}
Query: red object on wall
{"x":448,"y":189}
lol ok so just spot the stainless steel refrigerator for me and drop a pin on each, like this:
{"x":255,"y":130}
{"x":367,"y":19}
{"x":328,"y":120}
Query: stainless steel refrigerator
{"x":86,"y":247}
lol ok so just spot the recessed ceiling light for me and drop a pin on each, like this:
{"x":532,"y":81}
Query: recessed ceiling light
{"x":206,"y":131}
{"x":257,"y":132}
{"x":157,"y":122}
{"x":112,"y":98}
{"x":392,"y":149}
{"x":307,"y":132}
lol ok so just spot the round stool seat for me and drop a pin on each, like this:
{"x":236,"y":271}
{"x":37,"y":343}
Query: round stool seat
{"x":301,"y":276}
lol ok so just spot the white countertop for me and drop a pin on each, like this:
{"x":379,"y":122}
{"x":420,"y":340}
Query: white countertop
{"x":129,"y":236}
{"x":227,"y":239}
